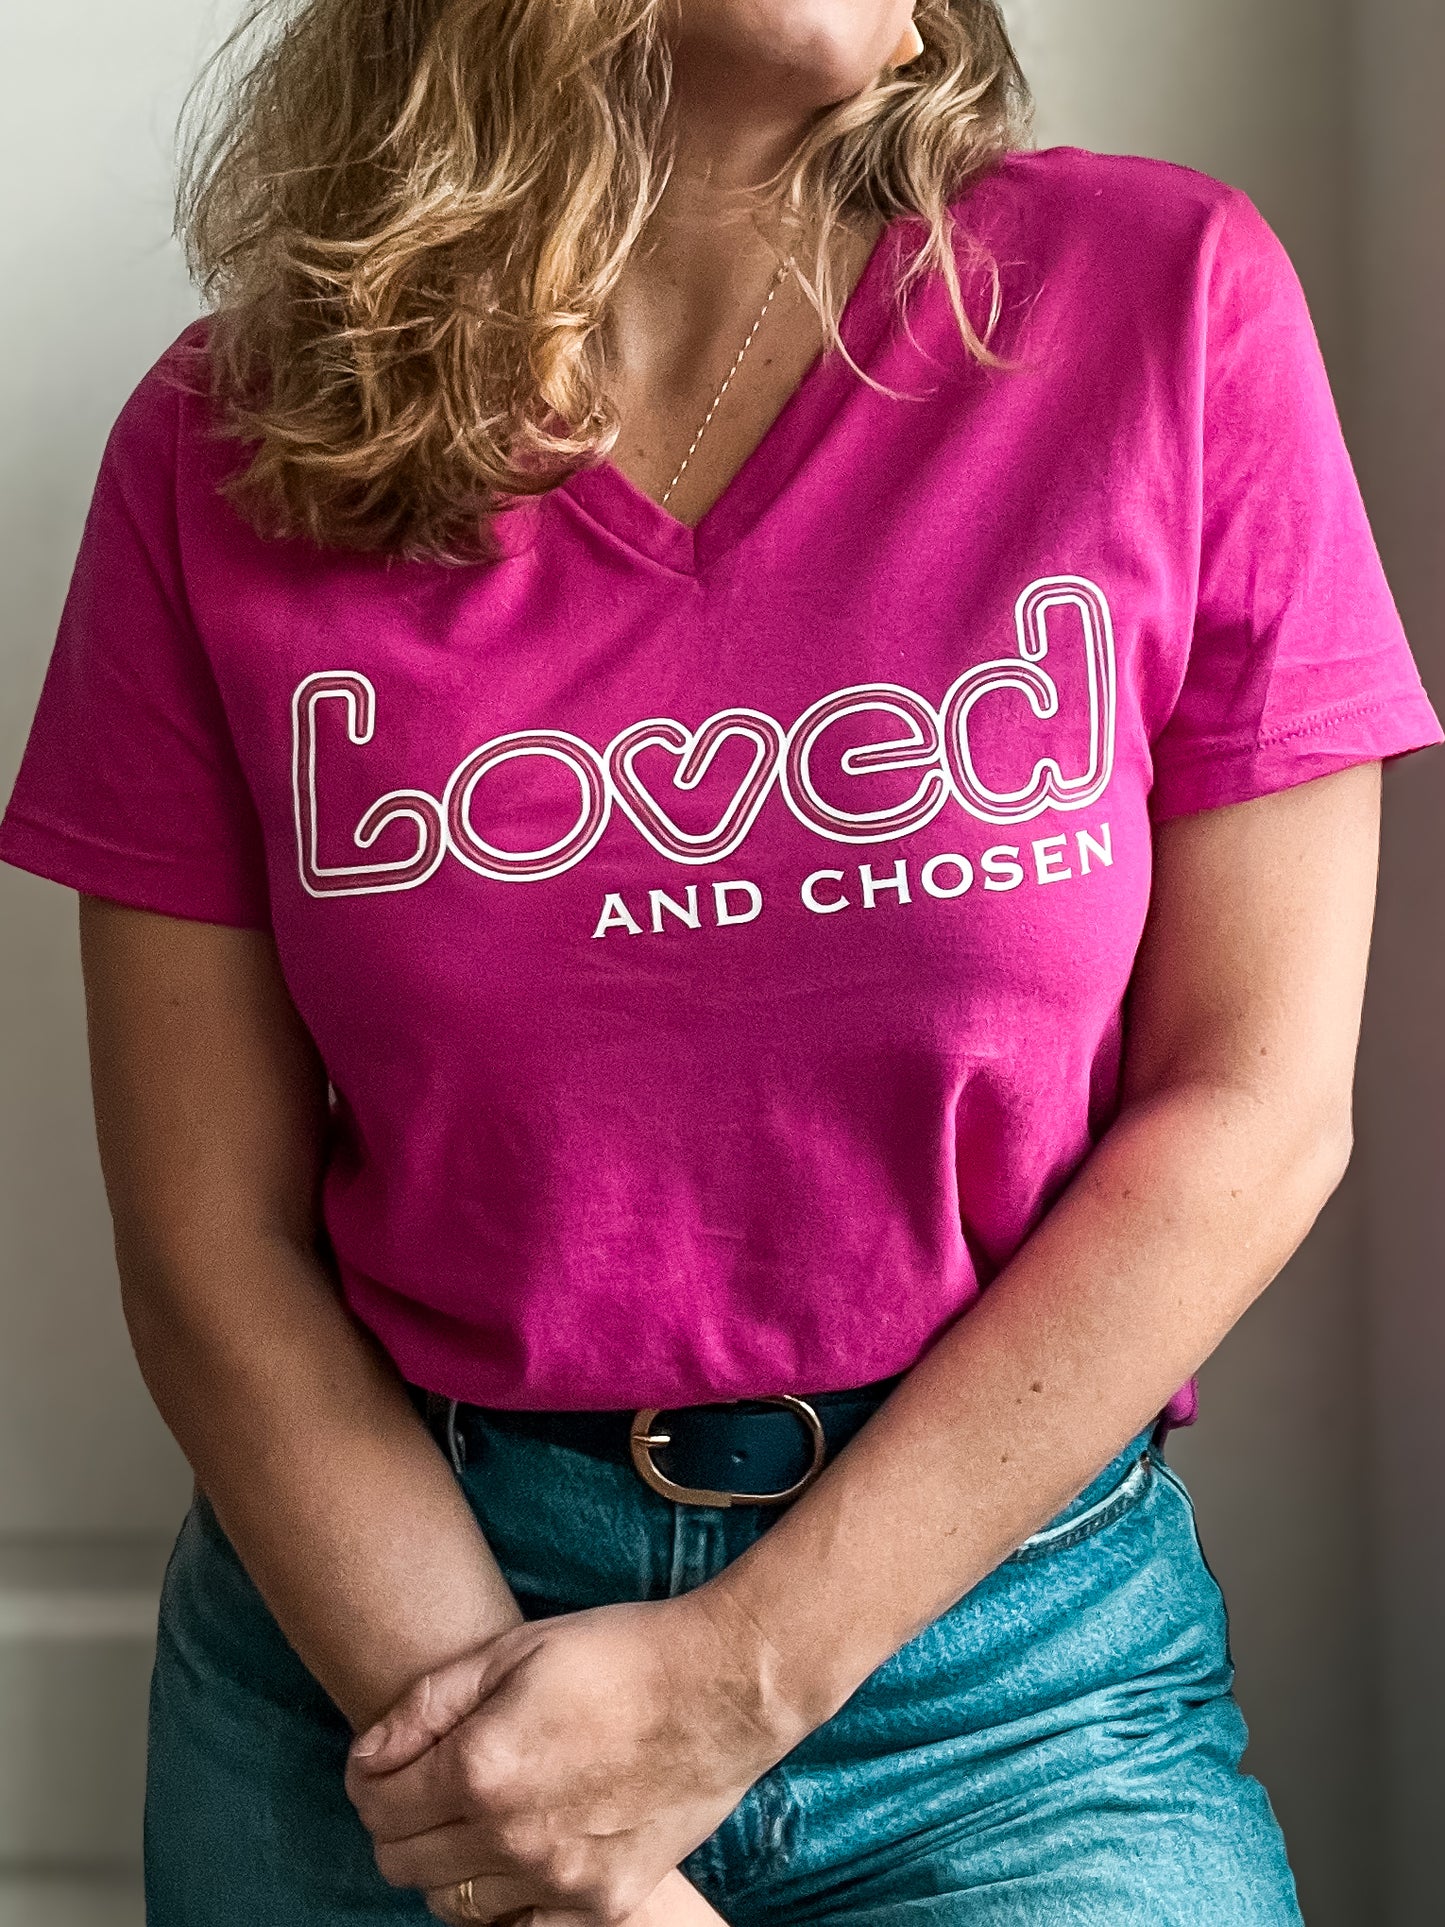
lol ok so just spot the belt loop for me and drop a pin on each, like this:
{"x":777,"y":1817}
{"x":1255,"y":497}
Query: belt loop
{"x":456,"y":1445}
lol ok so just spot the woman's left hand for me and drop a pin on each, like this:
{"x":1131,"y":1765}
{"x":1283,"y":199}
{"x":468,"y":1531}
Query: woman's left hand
{"x":571,"y":1763}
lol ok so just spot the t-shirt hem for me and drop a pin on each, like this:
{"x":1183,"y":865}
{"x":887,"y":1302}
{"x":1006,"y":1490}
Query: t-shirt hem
{"x":1182,"y":1410}
{"x":159,"y":884}
{"x":1365,"y":730}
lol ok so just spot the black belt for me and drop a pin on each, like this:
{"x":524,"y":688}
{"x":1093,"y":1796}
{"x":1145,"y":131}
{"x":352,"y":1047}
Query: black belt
{"x":759,"y":1451}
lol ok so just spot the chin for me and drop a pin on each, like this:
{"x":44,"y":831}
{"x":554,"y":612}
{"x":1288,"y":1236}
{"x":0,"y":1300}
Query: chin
{"x":826,"y":49}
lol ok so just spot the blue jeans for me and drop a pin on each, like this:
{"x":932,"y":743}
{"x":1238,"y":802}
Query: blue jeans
{"x":1062,"y":1746}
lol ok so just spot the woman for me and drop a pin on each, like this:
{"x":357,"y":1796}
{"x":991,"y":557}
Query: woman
{"x":736,"y":616}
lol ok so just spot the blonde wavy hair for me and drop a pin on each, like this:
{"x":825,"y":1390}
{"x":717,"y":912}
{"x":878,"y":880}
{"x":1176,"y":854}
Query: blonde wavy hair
{"x":410,"y":217}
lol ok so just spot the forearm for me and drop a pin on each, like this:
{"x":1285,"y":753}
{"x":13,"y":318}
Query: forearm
{"x":336,"y":1498}
{"x":301,"y":1434}
{"x":1180,"y":1218}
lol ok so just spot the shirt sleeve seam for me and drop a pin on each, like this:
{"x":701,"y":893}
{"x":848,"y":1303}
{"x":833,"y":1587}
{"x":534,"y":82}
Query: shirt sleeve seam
{"x":1337,"y":713}
{"x":59,"y":837}
{"x":63,"y":833}
{"x":1311,"y":725}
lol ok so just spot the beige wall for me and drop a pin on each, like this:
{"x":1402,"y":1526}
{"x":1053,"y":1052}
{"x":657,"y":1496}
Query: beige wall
{"x":95,"y":290}
{"x":88,"y":1477}
{"x":1258,"y":91}
{"x":1399,"y":269}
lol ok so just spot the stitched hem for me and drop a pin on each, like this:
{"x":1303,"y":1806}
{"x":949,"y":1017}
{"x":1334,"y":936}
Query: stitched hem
{"x":167,"y":885}
{"x":1241,"y":748}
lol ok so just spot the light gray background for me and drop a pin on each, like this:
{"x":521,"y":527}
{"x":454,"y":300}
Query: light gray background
{"x":1319,"y":1466}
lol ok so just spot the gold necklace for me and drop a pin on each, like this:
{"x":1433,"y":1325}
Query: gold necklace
{"x":780,"y":275}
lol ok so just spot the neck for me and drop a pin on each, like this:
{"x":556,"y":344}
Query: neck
{"x":714,"y":239}
{"x":714,"y":208}
{"x":690,"y":291}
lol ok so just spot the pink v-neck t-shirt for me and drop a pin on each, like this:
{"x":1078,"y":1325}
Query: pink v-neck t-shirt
{"x":716,"y":939}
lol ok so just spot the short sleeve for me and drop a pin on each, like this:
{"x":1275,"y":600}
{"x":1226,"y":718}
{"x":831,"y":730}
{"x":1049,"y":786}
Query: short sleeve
{"x":130,"y":786}
{"x":1298,"y":665}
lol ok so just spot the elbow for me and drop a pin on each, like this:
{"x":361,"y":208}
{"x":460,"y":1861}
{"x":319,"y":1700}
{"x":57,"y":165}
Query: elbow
{"x":1340,"y":1146}
{"x":1321,"y":1146}
{"x":158,"y":1293}
{"x":186,"y":1288}
{"x":1334,"y":1147}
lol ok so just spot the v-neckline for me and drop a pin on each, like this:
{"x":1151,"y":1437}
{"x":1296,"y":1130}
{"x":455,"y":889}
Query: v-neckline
{"x":607,"y":497}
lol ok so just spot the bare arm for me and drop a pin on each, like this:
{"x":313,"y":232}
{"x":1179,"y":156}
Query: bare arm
{"x":210,"y":1108}
{"x":1235,"y":1128}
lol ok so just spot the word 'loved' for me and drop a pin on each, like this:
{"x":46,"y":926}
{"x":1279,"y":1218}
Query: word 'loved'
{"x":648,"y":769}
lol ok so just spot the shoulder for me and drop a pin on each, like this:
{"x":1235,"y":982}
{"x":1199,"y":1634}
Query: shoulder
{"x":1121,"y":208}
{"x":170,"y":407}
{"x":173,"y":395}
{"x":1110,"y":246}
{"x":167,"y":456}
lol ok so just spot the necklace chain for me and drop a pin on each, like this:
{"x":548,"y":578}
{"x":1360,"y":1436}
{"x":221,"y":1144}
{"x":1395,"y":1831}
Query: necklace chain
{"x":780,"y":275}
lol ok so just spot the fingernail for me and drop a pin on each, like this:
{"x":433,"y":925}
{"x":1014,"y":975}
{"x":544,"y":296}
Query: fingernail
{"x":371,"y":1741}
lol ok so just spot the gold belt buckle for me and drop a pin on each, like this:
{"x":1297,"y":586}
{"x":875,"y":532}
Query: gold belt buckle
{"x":642,"y":1438}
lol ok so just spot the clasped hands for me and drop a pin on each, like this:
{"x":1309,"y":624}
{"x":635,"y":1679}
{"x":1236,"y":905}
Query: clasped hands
{"x":568,"y":1765}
